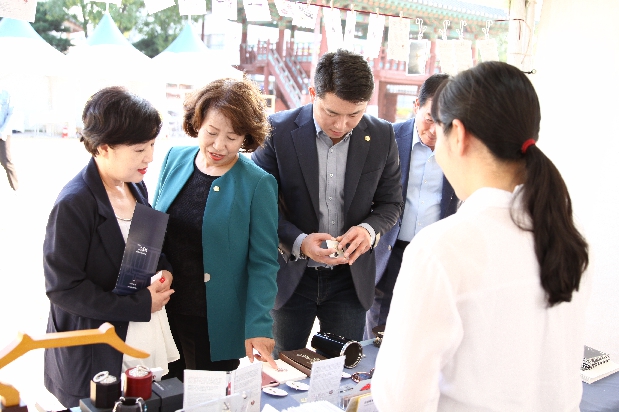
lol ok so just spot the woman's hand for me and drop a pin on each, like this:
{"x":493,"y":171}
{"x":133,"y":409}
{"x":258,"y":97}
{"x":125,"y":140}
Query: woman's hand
{"x":264,"y":346}
{"x":168,"y":279}
{"x":160,"y":295}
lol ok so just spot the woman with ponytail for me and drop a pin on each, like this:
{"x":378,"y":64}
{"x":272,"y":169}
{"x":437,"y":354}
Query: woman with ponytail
{"x":488,"y":309}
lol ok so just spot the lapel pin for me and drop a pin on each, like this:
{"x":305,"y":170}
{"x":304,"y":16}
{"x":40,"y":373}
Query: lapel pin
{"x":216,"y":188}
{"x":367,"y":138}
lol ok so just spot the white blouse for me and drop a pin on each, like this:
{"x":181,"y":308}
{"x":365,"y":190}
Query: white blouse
{"x":469,"y":329}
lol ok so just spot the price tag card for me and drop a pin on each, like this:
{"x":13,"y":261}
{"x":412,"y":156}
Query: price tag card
{"x":325,"y":380}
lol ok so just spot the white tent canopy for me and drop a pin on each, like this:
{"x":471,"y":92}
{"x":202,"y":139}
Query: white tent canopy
{"x":188,"y":61}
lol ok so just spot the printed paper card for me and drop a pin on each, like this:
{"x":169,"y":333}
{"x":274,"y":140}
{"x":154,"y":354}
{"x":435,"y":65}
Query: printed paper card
{"x":192,"y":7}
{"x":325,"y":380}
{"x":19,"y":9}
{"x":488,"y":50}
{"x":376,"y":29}
{"x":247,"y":381}
{"x":204,"y":386}
{"x":398,"y":39}
{"x":464,"y":54}
{"x":154,"y":6}
{"x":257,"y":10}
{"x":446,"y":54}
{"x":333,"y":28}
{"x":418,"y":56}
{"x":305,"y":15}
{"x":225,"y":9}
{"x":285,"y":8}
{"x":349,"y":31}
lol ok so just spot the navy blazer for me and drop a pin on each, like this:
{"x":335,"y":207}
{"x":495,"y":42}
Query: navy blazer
{"x":82,"y":253}
{"x":449,"y":200}
{"x":372,"y":190}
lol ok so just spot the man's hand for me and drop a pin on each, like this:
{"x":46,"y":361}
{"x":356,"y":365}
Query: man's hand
{"x":354,"y":243}
{"x":264,"y":346}
{"x":160,"y":295}
{"x":312,"y":248}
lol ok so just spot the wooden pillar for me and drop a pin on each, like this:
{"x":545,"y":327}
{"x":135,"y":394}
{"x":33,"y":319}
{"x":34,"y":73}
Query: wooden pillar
{"x":431,"y":65}
{"x":280,"y":40}
{"x":243,"y":48}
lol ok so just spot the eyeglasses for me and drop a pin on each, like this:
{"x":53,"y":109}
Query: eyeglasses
{"x":362,"y":376}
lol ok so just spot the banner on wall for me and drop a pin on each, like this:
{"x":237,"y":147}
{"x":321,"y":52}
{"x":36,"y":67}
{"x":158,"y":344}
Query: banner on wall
{"x":349,"y":31}
{"x":418,"y":57}
{"x":464,"y":54}
{"x":398,"y":46}
{"x":154,"y":6}
{"x":304,"y":15}
{"x":333,"y":28}
{"x":488,"y":50}
{"x":225,"y":9}
{"x":19,"y":9}
{"x":285,"y":8}
{"x":257,"y":10}
{"x":445,"y":53}
{"x":376,"y":30}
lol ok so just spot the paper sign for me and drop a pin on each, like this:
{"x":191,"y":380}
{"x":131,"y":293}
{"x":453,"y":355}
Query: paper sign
{"x":19,"y":9}
{"x":464,"y":54}
{"x":488,"y":50}
{"x":285,"y":8}
{"x":398,"y":40}
{"x":325,"y":380}
{"x":446,"y":54}
{"x":154,"y":6}
{"x":192,"y":7}
{"x":305,"y":15}
{"x":247,"y":381}
{"x":418,"y":56}
{"x":203,"y":386}
{"x":257,"y":10}
{"x":376,"y":29}
{"x":226,"y":9}
{"x":333,"y":28}
{"x":349,"y":31}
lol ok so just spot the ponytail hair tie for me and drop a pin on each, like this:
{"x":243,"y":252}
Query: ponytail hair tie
{"x":526,"y":145}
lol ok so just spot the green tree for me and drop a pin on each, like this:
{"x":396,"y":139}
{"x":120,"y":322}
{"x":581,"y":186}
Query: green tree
{"x":48,"y":22}
{"x":160,"y":29}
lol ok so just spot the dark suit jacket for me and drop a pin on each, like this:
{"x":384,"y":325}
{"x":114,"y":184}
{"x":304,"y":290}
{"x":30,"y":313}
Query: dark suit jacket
{"x":82,"y":253}
{"x":449,"y":201}
{"x":372,"y":190}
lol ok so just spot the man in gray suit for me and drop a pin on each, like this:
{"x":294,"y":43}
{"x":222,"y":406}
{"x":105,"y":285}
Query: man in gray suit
{"x":427,"y":193}
{"x":339,"y":179}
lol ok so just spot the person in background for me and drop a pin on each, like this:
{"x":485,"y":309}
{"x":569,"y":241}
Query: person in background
{"x":488,"y":309}
{"x":339,"y":179}
{"x":6,"y":111}
{"x":222,"y":232}
{"x":84,"y":242}
{"x":428,"y":197}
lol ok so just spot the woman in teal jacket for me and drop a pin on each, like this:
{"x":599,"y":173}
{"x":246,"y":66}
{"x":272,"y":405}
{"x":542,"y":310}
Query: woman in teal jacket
{"x":222,"y":232}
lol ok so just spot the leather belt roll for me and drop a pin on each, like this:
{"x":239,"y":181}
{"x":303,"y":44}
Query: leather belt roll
{"x":333,"y":346}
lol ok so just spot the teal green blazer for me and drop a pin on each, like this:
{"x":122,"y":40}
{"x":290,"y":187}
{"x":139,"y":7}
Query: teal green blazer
{"x":239,"y":239}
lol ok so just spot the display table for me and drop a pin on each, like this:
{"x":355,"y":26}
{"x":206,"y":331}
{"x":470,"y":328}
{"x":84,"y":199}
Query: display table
{"x":600,"y":396}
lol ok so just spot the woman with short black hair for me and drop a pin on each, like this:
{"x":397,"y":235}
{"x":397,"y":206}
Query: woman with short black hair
{"x":84,"y":241}
{"x":488,"y":309}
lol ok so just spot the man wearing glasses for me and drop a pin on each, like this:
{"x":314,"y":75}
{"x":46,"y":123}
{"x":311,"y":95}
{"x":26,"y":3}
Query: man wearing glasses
{"x":428,"y":197}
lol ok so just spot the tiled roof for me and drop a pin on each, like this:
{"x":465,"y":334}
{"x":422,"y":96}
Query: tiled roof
{"x":463,"y":7}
